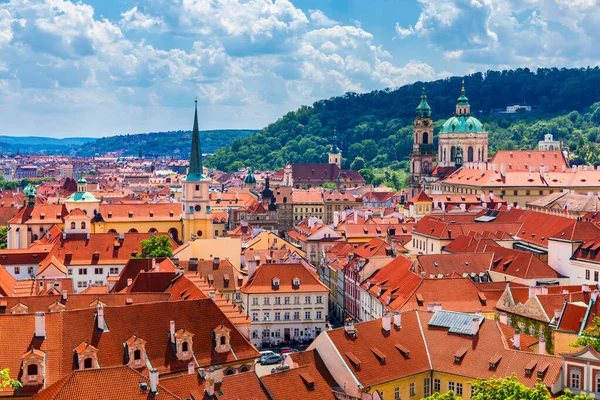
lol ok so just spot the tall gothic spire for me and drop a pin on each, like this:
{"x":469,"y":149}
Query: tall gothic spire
{"x":195,"y":169}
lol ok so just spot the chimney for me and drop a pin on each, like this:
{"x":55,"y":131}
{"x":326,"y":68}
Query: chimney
{"x":216,"y":262}
{"x":349,"y":327}
{"x":585,"y":288}
{"x":386,"y":322}
{"x":251,"y":264}
{"x":355,"y":217}
{"x":40,"y":324}
{"x":172,"y":330}
{"x":211,"y":294}
{"x":542,"y":345}
{"x":101,"y":322}
{"x":129,"y":281}
{"x":154,"y":266}
{"x":398,"y":319}
{"x":65,"y":295}
{"x":344,"y":216}
{"x":154,"y":380}
{"x":503,"y":318}
{"x":212,"y":377}
{"x":557,"y":312}
{"x":531,"y":292}
{"x":594,"y":296}
{"x":474,"y":326}
{"x":502,"y":170}
{"x":517,"y":339}
{"x":544,"y":290}
{"x":336,"y":218}
{"x":478,"y":312}
{"x":430,"y":307}
{"x":191,"y":368}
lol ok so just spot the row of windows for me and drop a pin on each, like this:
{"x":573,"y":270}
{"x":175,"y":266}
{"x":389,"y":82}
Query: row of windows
{"x":588,"y":275}
{"x":276,"y":333}
{"x":420,"y":244}
{"x":286,"y":316}
{"x":97,"y":271}
{"x":286,"y":300}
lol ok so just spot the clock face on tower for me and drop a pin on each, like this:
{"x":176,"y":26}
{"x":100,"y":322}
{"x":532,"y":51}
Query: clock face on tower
{"x":426,"y":122}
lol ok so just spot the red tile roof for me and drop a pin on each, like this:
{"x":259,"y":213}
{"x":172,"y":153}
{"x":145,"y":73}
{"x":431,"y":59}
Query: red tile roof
{"x":522,"y":160}
{"x":301,"y":383}
{"x":262,"y":280}
{"x":572,"y":317}
{"x":7,"y":282}
{"x":448,"y":265}
{"x":140,"y":212}
{"x":234,"y":387}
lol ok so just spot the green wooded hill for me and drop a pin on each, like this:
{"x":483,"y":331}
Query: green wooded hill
{"x":374,"y":129}
{"x":173,"y":143}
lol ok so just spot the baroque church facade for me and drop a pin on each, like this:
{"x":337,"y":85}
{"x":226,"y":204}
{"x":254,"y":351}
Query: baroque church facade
{"x":461,"y":138}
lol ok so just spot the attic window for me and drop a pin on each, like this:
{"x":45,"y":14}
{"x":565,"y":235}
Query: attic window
{"x":275,"y":282}
{"x":296,"y":282}
{"x":495,"y":360}
{"x":542,"y":370}
{"x":170,"y":213}
{"x":353,"y":359}
{"x":130,"y":214}
{"x":420,"y":299}
{"x":530,"y":367}
{"x":482,"y":298}
{"x":151,"y":213}
{"x":459,"y":355}
{"x":109,"y":214}
{"x":42,"y":216}
{"x":379,"y":354}
{"x":403,"y":350}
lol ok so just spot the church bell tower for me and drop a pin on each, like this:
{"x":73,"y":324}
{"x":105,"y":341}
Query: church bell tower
{"x":197,"y":220}
{"x":422,"y":158}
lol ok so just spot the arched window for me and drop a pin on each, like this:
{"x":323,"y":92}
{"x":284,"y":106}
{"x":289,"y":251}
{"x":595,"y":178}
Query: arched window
{"x":425,"y":137}
{"x":133,"y":230}
{"x":83,"y":225}
{"x":72,"y":225}
{"x":229,"y":371}
{"x":32,"y":369}
{"x":112,"y":231}
{"x":245,"y":368}
{"x":152,"y":230}
{"x":453,"y":154}
{"x":470,"y":154}
{"x":174,"y":233}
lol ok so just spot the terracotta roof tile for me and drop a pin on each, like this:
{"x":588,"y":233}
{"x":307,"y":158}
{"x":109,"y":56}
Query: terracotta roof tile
{"x":262,"y":280}
{"x":233,"y":387}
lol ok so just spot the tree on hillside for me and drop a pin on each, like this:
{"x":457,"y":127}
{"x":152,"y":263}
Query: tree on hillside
{"x":6,"y":381}
{"x":156,"y":247}
{"x":590,"y":337}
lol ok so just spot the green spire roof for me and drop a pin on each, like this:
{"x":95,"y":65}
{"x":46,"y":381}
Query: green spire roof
{"x":462,"y":100}
{"x":250,"y":179}
{"x":29,"y":190}
{"x":195,"y":170}
{"x":423,"y":111}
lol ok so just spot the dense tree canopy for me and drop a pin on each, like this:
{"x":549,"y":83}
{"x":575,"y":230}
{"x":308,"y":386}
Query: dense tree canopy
{"x":377,"y":126}
{"x":591,"y":336}
{"x":156,"y":247}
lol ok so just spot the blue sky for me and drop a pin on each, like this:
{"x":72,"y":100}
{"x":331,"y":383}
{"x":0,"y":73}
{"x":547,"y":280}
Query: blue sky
{"x":106,"y":67}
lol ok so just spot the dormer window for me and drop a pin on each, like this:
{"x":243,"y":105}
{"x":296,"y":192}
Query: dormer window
{"x":33,"y":367}
{"x":57,"y":307}
{"x":87,"y":356}
{"x":296,"y":282}
{"x":184,"y":345}
{"x":275,"y":282}
{"x":222,"y":337}
{"x":136,"y":351}
{"x":19,"y":308}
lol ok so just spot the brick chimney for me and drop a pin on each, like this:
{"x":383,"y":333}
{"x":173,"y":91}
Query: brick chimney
{"x":386,"y":322}
{"x":517,"y":339}
{"x":154,"y":380}
{"x":40,"y":324}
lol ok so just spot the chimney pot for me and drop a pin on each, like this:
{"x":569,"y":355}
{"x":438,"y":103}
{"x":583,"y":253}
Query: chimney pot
{"x":172,"y":330}
{"x":129,"y":281}
{"x":101,"y":322}
{"x":475,"y":326}
{"x":517,"y":339}
{"x":40,"y":324}
{"x":398,"y":319}
{"x":65,"y":295}
{"x":386,"y":322}
{"x":154,"y":380}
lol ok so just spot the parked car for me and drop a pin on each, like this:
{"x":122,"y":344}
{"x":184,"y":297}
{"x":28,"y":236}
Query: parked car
{"x":265,"y":353}
{"x":287,"y":350}
{"x":270,"y":359}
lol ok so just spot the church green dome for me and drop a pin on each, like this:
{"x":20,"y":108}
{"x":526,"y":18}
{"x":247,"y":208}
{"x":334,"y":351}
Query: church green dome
{"x":29,"y":190}
{"x":250,"y":179}
{"x":462,"y":124}
{"x":82,"y":181}
{"x":82,"y":197}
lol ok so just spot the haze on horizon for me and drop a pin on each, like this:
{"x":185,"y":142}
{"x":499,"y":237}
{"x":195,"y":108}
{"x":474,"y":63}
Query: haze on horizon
{"x":102,"y":68}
